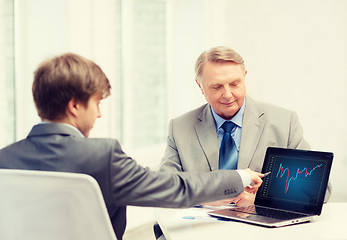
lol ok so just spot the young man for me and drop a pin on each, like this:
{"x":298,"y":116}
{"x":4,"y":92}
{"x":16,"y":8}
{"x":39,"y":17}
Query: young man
{"x":67,"y":91}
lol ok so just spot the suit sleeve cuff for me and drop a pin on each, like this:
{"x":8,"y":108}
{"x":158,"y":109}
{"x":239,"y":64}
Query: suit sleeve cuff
{"x":246,"y":179}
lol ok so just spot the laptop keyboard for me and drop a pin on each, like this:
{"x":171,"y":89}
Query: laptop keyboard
{"x":268,"y":212}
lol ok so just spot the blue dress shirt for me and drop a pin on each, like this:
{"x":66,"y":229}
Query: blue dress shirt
{"x":237,"y":120}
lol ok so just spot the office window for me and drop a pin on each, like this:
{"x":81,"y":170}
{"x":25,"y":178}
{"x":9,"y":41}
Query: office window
{"x":127,"y":38}
{"x":7,"y":83}
{"x":149,"y":90}
{"x":105,"y":48}
{"x":132,"y":51}
{"x":145,"y":99}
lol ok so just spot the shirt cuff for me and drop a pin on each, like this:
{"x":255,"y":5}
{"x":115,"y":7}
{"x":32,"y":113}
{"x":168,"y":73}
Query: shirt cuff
{"x":246,"y":179}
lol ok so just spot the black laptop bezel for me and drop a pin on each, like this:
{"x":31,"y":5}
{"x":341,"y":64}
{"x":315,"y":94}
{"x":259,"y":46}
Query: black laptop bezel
{"x":314,"y":209}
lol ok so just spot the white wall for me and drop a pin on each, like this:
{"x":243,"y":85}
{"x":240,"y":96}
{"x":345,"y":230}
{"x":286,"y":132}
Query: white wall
{"x":187,"y":31}
{"x":295,"y":53}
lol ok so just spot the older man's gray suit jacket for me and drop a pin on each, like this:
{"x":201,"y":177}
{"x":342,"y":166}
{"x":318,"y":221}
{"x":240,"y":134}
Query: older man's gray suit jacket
{"x":56,"y":147}
{"x":192,"y":143}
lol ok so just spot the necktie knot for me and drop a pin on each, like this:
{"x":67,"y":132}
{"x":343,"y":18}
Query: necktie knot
{"x":228,"y":126}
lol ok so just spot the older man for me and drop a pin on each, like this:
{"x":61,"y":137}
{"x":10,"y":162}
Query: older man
{"x":196,"y":139}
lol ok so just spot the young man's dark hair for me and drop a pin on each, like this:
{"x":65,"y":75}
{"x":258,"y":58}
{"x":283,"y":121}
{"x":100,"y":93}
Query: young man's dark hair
{"x":58,"y":80}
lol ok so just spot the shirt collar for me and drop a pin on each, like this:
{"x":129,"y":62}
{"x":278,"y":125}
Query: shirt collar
{"x":68,"y":125}
{"x":237,"y":119}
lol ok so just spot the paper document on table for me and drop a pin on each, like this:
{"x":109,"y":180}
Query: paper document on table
{"x":200,"y":213}
{"x":210,"y":207}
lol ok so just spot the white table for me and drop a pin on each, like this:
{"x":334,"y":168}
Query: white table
{"x":194,"y":223}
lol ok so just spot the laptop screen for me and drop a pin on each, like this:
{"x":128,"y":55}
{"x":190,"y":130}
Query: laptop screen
{"x":297,"y":182}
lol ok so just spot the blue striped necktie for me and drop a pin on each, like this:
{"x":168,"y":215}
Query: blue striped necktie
{"x":228,"y":154}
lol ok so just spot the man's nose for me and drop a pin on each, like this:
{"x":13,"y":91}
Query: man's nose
{"x":227,"y":92}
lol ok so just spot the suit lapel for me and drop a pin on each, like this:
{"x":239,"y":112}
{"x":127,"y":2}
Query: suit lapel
{"x":206,"y":133}
{"x":252,"y":128}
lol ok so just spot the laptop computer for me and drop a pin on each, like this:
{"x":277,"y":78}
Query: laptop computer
{"x":292,"y":193}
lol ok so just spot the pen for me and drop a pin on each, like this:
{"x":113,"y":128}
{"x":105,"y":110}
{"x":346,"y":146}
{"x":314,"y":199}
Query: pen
{"x":265,"y":174}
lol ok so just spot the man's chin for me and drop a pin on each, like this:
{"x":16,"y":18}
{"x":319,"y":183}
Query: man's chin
{"x":228,"y":115}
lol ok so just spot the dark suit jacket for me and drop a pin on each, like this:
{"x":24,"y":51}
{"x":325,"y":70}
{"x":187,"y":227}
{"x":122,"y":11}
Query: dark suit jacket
{"x":57,"y":147}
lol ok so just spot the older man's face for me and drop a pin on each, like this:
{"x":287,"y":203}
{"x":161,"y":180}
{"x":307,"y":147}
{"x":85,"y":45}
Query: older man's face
{"x":223,"y":85}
